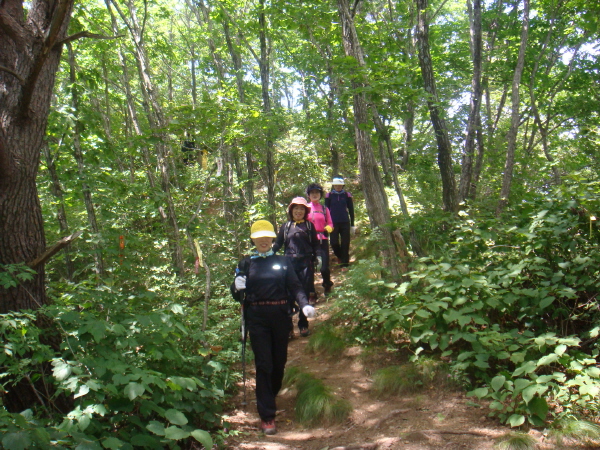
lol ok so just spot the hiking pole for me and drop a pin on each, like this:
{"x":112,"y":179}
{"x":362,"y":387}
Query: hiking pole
{"x":243,"y":328}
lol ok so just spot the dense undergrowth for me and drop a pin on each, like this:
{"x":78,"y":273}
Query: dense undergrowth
{"x":511,"y":306}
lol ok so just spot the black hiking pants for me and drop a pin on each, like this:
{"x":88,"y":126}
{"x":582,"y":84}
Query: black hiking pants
{"x":340,"y":242}
{"x":305,"y":270}
{"x":323,"y":252}
{"x":269,"y":327}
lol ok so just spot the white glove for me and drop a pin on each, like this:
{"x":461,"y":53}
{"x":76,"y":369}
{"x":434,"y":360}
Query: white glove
{"x":319,"y":264}
{"x":309,"y":311}
{"x":240,"y":282}
{"x":352,"y":231}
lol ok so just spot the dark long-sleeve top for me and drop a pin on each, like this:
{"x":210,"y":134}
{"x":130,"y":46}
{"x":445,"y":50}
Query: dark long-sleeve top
{"x":341,"y":206}
{"x":270,"y":278}
{"x":301,"y":239}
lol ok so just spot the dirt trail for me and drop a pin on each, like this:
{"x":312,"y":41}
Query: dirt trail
{"x":426,"y":420}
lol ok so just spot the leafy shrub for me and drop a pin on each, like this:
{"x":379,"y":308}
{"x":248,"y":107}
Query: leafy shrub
{"x":139,"y":378}
{"x":514,"y":307}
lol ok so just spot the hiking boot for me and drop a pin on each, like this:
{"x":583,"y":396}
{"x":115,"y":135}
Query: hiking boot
{"x":327,"y":288}
{"x":312,"y":298}
{"x":292,"y":335}
{"x":268,"y":427}
{"x":304,"y":332}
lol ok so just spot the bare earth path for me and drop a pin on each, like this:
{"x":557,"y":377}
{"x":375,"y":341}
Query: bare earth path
{"x":427,"y":420}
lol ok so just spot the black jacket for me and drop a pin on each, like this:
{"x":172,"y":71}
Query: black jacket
{"x":270,"y":278}
{"x":299,"y":239}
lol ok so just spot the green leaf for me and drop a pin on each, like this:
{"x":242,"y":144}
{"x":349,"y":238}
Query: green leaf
{"x":498,"y":382}
{"x":526,"y":368}
{"x":479,"y":392}
{"x":176,"y":417}
{"x":520,"y":384}
{"x":539,"y":407}
{"x":560,"y":349}
{"x":88,"y":445}
{"x":16,"y":441}
{"x":112,"y":443}
{"x":145,"y":440}
{"x":61,"y":370}
{"x":548,"y":359}
{"x":83,"y":390}
{"x":134,"y":390}
{"x":546,"y":302}
{"x":516,"y":420}
{"x":176,"y":433}
{"x":203,"y":437}
{"x":529,"y":392}
{"x":156,"y":428}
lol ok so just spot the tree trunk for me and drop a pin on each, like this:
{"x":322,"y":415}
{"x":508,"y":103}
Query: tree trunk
{"x":31,"y":48}
{"x":511,"y":137}
{"x":248,"y":198}
{"x":476,"y":95}
{"x":78,"y":154}
{"x":264,"y":66}
{"x":449,"y":194}
{"x":375,"y":197}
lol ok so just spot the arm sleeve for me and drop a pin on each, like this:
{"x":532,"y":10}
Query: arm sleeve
{"x":294,"y":287}
{"x":238,"y":296}
{"x":328,"y":220}
{"x":351,"y":209}
{"x":279,"y":240}
{"x":314,"y":239}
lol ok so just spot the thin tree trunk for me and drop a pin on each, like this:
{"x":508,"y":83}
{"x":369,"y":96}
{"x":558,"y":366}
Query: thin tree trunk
{"x":239,"y":79}
{"x":475,"y":105}
{"x":449,"y":194}
{"x":264,"y":66}
{"x":511,"y":137}
{"x":78,"y":155}
{"x":375,"y":197}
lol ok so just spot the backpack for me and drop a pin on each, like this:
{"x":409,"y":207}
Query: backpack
{"x":309,"y":227}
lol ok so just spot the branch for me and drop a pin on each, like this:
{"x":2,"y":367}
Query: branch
{"x":49,"y":253}
{"x":12,"y":28}
{"x":15,"y":74}
{"x":86,"y":34}
{"x":248,"y":46}
{"x":59,"y":17}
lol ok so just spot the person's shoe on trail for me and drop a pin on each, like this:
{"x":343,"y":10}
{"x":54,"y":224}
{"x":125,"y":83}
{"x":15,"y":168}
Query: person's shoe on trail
{"x":304,"y":332}
{"x":312,"y":298}
{"x":268,"y":426}
{"x":328,"y":289}
{"x":292,"y":335}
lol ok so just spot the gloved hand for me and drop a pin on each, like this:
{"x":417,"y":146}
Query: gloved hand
{"x":319,"y":264}
{"x":309,"y":311}
{"x":328,"y":228}
{"x":352,"y":231}
{"x":240,"y":282}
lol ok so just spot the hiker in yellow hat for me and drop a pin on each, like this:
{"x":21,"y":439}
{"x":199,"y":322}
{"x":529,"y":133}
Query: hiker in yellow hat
{"x":262,"y":283}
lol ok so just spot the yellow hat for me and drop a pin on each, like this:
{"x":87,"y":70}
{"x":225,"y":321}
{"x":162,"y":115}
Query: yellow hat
{"x":262,"y":228}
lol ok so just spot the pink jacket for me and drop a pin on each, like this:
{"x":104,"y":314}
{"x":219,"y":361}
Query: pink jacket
{"x":320,"y":217}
